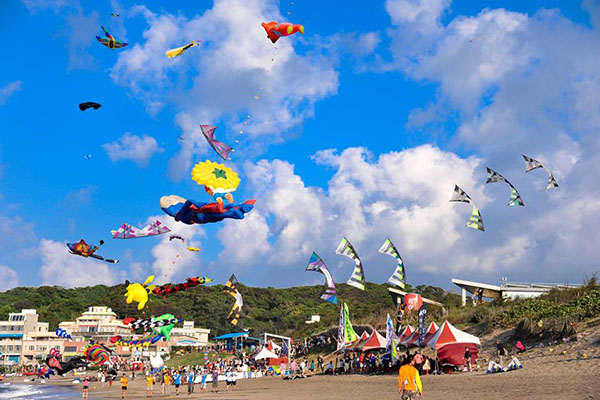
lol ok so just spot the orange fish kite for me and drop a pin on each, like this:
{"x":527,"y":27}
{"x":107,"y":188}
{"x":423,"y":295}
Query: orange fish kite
{"x":276,"y":30}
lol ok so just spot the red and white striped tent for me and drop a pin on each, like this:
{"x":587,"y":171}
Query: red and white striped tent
{"x":406,"y":332}
{"x":450,"y":344}
{"x":375,"y":341}
{"x":413,"y":339}
{"x":358,"y":342}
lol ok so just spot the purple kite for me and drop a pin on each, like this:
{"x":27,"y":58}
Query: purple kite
{"x":221,"y":148}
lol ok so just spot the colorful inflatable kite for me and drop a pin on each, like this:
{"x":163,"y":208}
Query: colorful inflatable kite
{"x":531,"y":164}
{"x":276,"y":30}
{"x":97,"y":354}
{"x":515,"y":197}
{"x":192,"y":212}
{"x":179,"y":50}
{"x":398,"y":278}
{"x":232,"y":288}
{"x":61,"y":333}
{"x":62,"y":368}
{"x":142,"y":342}
{"x":89,"y":104}
{"x":215,"y":176}
{"x":127,"y":231}
{"x":165,"y":330}
{"x":475,"y":222}
{"x":318,"y":265}
{"x":221,"y":148}
{"x":85,"y":250}
{"x":189,"y":283}
{"x":148,"y":323}
{"x":357,"y":279}
{"x":110,"y":42}
{"x":138,"y":292}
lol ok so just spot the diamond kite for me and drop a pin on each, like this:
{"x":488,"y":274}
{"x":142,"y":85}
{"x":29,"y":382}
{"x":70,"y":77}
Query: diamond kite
{"x":398,"y":278}
{"x":180,"y":50}
{"x":357,"y":279}
{"x":232,"y":288}
{"x":318,"y":265}
{"x":515,"y":197}
{"x":85,"y":250}
{"x":111,"y":43}
{"x":475,"y":222}
{"x":276,"y":30}
{"x":531,"y":164}
{"x":127,"y":231}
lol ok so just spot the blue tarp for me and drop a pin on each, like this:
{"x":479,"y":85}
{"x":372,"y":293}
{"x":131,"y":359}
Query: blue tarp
{"x":11,"y":335}
{"x":231,"y":335}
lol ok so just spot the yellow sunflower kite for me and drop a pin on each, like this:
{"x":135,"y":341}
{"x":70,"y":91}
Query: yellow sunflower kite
{"x":215,"y":176}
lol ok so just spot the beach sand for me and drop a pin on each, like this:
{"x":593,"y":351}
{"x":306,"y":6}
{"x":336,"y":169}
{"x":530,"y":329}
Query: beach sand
{"x":547,"y":374}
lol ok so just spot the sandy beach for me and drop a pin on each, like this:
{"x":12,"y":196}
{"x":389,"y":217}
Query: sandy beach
{"x":547,"y":374}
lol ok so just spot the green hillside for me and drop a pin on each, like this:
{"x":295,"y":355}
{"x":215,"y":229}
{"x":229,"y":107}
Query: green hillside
{"x":269,"y":309}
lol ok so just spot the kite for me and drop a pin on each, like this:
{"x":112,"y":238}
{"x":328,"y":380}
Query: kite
{"x":475,"y":222}
{"x":146,"y":341}
{"x":177,"y":237}
{"x":180,"y":50}
{"x":115,"y":15}
{"x":189,"y":283}
{"x":398,"y":278}
{"x":193,"y":249}
{"x":515,"y":197}
{"x":96,"y":353}
{"x":357,"y":279}
{"x":232,"y":288}
{"x":63,"y":334}
{"x":192,"y":212}
{"x":85,"y":250}
{"x":276,"y":30}
{"x":127,"y":231}
{"x":531,"y":164}
{"x":89,"y":104}
{"x":111,"y":43}
{"x":215,"y":176}
{"x":138,"y":292}
{"x":148,"y":323}
{"x":165,"y":330}
{"x":62,"y":368}
{"x":87,"y":157}
{"x":221,"y":148}
{"x":316,"y":264}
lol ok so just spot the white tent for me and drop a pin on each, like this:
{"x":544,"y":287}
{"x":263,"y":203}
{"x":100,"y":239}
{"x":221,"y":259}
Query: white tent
{"x":450,"y":344}
{"x":264,"y":353}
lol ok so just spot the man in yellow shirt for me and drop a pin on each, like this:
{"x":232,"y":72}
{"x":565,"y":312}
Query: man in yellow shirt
{"x":124,"y":383}
{"x":149,"y":383}
{"x":409,"y":382}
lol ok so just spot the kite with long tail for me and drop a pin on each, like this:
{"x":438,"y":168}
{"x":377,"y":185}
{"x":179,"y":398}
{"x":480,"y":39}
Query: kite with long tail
{"x":189,"y":283}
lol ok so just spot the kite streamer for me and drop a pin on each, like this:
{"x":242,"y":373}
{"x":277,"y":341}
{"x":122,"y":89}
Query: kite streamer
{"x":398,"y":278}
{"x":357,"y":279}
{"x":318,"y":265}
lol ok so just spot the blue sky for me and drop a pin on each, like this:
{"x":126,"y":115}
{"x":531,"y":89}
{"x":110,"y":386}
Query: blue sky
{"x":361,"y":128}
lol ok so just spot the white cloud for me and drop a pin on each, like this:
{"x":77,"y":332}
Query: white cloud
{"x":138,"y":149}
{"x":219,"y":80}
{"x":8,"y":90}
{"x":10,"y":278}
{"x":39,"y":5}
{"x":61,"y":268}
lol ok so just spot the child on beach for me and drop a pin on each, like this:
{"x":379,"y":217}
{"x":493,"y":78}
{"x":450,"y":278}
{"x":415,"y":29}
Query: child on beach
{"x":177,"y":381}
{"x":165,"y":384}
{"x":86,"y":385}
{"x":149,"y":383}
{"x":124,"y":383}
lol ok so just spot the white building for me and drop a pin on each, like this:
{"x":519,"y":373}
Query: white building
{"x":14,"y":331}
{"x":507,"y":290}
{"x":98,"y":323}
{"x":188,"y":335}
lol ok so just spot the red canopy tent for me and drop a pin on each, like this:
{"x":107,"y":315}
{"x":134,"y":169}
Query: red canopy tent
{"x":406,"y":332}
{"x":413,"y":339}
{"x":450,"y":344}
{"x":375,"y":341}
{"x":359,"y":342}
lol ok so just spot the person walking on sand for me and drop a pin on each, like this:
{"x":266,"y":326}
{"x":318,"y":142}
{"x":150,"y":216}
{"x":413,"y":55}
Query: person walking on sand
{"x":468,"y":359}
{"x":409,"y":382}
{"x":190,"y":382}
{"x":149,"y":387}
{"x":500,"y":351}
{"x":177,"y":381}
{"x":86,"y":386}
{"x":124,"y":383}
{"x":165,"y":384}
{"x":215,"y":379}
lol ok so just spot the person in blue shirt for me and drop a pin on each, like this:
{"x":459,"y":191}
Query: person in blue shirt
{"x":177,"y":382}
{"x":190,"y":382}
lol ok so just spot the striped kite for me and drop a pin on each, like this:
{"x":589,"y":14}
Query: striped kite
{"x":232,"y":288}
{"x":515,"y":197}
{"x":531,"y":164}
{"x":475,"y":222}
{"x":357,"y":279}
{"x":127,"y":231}
{"x":318,"y":265}
{"x":398,"y":278}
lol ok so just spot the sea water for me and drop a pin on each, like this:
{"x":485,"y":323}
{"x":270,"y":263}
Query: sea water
{"x":23,"y":391}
